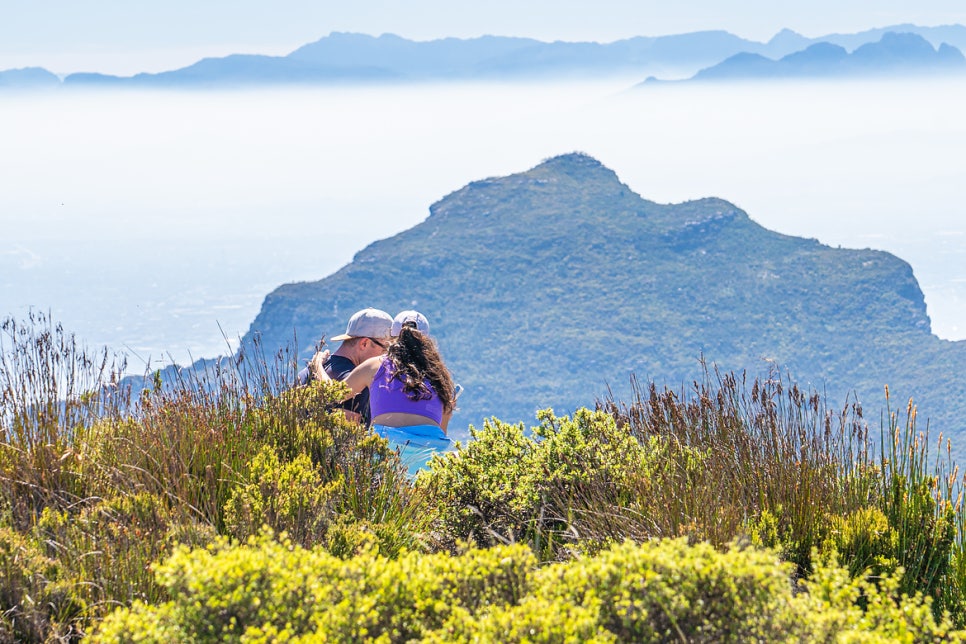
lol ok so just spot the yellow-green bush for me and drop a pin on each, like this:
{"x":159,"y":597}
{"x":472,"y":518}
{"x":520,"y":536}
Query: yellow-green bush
{"x":955,"y":591}
{"x":925,"y":526}
{"x":272,"y":590}
{"x":865,"y":542}
{"x":661,"y":590}
{"x":316,"y":468}
{"x":219,"y":592}
{"x":796,"y":535}
{"x":507,"y":486}
{"x":287,"y":497}
{"x":486,"y":486}
{"x":841,"y":608}
{"x":143,"y":622}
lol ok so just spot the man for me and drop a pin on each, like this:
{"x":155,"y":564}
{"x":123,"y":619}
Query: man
{"x":367,"y":335}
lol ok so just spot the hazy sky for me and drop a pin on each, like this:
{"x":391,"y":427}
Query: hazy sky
{"x":127,"y":36}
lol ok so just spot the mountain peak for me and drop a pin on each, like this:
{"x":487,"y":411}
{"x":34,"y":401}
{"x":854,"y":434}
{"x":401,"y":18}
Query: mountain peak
{"x":575,"y":182}
{"x":788,"y":38}
{"x":577,"y":166}
{"x":571,"y":160}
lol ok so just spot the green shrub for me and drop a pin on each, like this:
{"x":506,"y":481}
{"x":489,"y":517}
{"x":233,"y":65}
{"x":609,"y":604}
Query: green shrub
{"x":219,"y":592}
{"x":842,"y":608}
{"x":505,"y":486}
{"x":348,"y":537}
{"x":105,"y":550}
{"x":586,"y":450}
{"x":775,"y":529}
{"x":865,"y":542}
{"x":327,"y":469}
{"x":954,"y":598}
{"x":484,"y":489}
{"x":664,"y":590}
{"x":142,"y":623}
{"x":287,"y":497}
{"x":401,"y":599}
{"x":269,"y":588}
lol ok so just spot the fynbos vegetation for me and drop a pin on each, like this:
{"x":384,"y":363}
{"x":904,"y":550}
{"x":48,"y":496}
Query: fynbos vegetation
{"x":224,"y":505}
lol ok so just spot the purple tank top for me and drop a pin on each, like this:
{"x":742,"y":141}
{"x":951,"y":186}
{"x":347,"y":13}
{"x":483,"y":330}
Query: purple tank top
{"x":386,"y":395}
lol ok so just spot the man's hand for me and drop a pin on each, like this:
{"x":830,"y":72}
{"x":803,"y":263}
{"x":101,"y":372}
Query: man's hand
{"x":316,"y":367}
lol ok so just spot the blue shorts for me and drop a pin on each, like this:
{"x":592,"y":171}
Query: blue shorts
{"x":415,"y":444}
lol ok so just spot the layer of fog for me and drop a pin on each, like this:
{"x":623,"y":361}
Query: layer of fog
{"x":157,"y":222}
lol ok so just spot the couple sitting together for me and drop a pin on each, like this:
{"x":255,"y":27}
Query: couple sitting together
{"x":398,"y":380}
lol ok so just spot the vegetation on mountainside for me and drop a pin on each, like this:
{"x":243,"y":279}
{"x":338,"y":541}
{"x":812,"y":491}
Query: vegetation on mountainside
{"x":546,"y":287}
{"x":227,"y":506}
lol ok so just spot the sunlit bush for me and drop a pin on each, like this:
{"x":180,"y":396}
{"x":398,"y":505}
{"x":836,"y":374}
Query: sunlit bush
{"x":860,"y":609}
{"x":865,"y":541}
{"x":272,"y":590}
{"x":287,"y":497}
{"x":667,"y":590}
{"x":506,"y":485}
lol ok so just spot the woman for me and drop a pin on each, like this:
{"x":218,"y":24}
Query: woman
{"x":411,"y":392}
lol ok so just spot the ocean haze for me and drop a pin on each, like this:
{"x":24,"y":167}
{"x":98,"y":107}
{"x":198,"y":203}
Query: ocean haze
{"x":158,"y":221}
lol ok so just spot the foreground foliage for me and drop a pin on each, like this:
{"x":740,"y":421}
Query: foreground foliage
{"x":272,"y":590}
{"x":222,"y":504}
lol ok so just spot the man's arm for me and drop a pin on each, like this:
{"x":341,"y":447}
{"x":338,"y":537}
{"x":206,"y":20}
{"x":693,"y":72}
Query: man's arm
{"x":363,"y":375}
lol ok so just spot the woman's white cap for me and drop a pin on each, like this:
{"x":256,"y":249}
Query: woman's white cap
{"x":422,"y":324}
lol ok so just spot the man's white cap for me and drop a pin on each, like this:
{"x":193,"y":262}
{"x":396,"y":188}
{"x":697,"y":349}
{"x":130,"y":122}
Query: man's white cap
{"x":367,"y":323}
{"x":415,"y":317}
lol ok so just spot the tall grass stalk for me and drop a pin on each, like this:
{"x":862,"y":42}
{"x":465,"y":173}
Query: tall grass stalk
{"x":761,"y":458}
{"x":922,"y":499}
{"x":51,"y":388}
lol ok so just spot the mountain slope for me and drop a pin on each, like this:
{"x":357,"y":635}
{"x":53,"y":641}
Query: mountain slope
{"x":547,"y":286}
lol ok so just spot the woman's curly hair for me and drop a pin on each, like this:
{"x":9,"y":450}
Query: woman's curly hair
{"x":415,"y":361}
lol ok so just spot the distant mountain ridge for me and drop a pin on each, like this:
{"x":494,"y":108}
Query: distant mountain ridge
{"x":358,"y":58}
{"x":545,"y":287}
{"x":28,"y":77}
{"x":342,"y":57}
{"x":894,"y":53}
